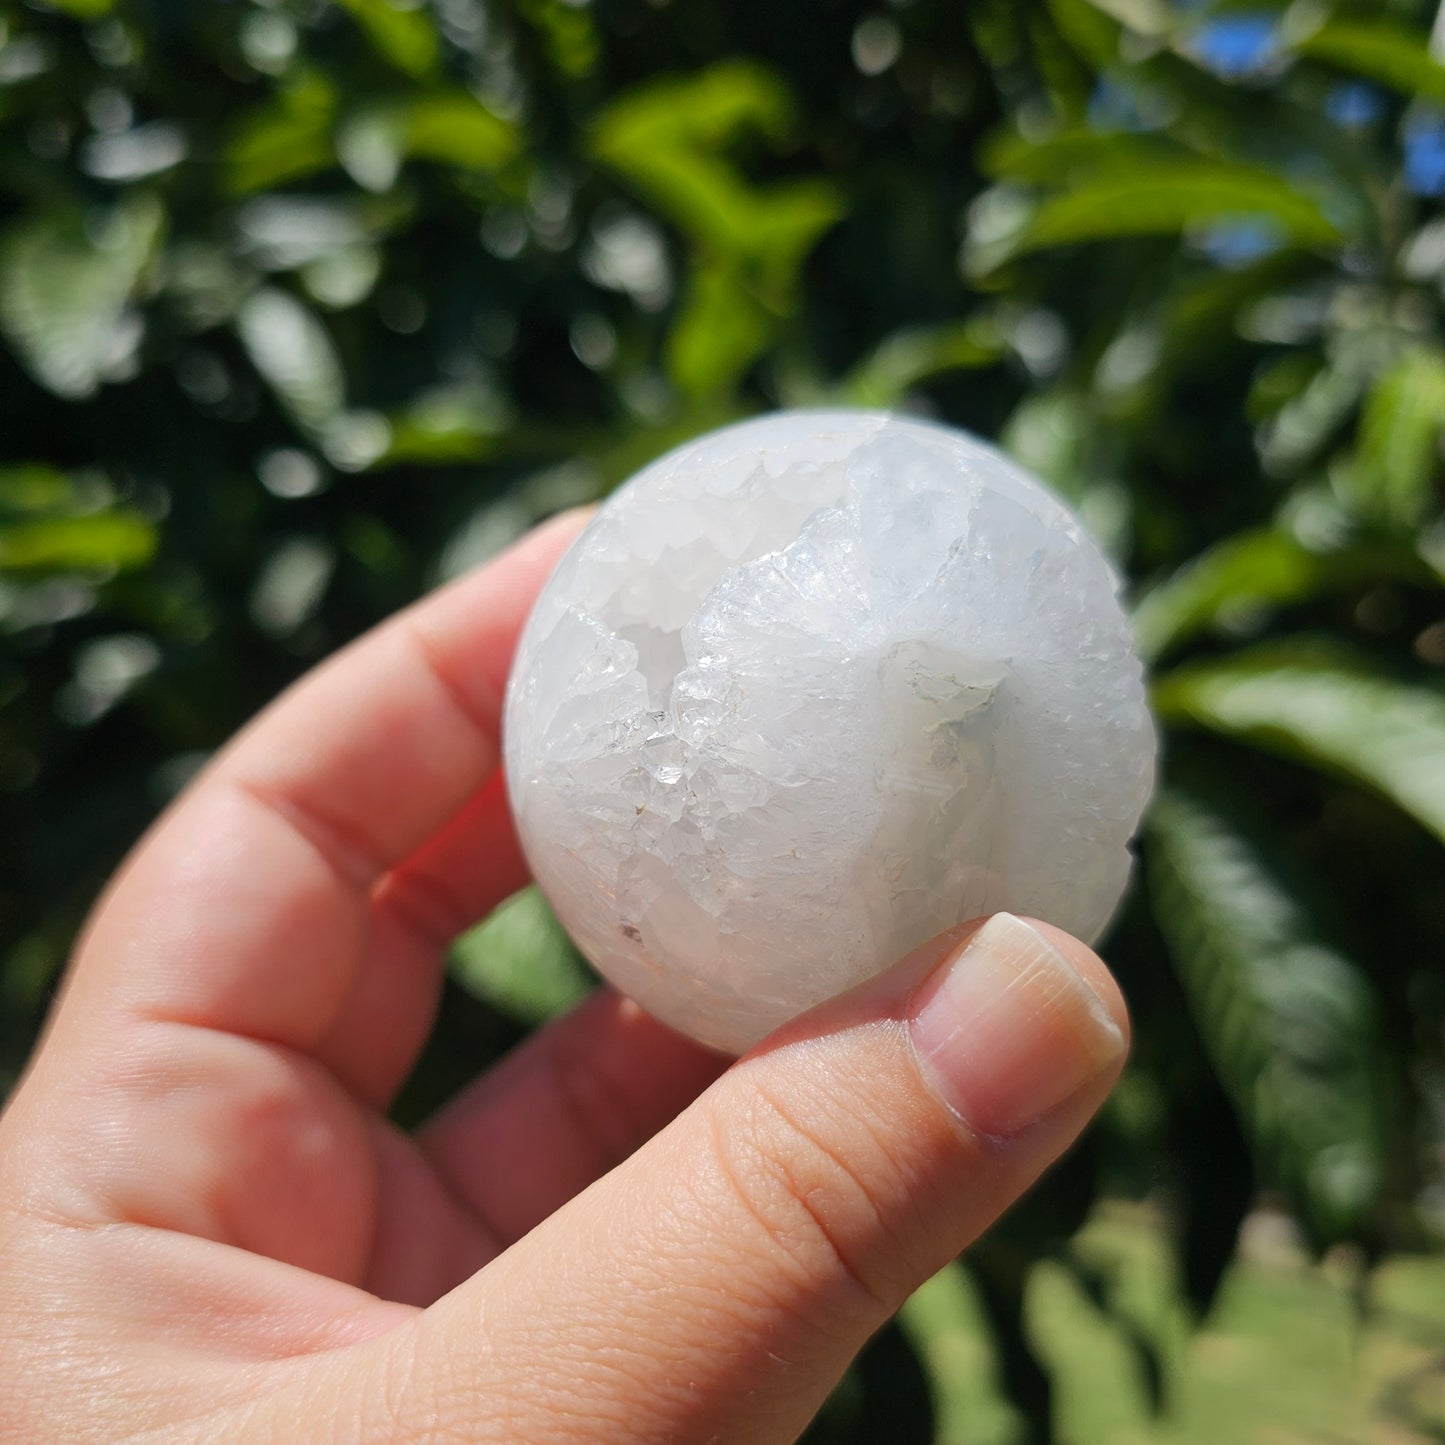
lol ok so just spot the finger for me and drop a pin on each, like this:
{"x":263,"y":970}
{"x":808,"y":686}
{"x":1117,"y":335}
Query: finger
{"x":563,"y":1108}
{"x":717,"y":1285}
{"x":560,"y":1111}
{"x":453,"y":879}
{"x":249,"y":908}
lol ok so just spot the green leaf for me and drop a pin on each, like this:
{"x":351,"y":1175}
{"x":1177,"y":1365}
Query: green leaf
{"x":28,"y":489}
{"x":1143,"y":17}
{"x":66,"y":289}
{"x":521,"y":961}
{"x":1398,"y":455}
{"x":897,"y":365}
{"x":82,"y":9}
{"x":1328,"y":706}
{"x":568,"y":32}
{"x":1158,"y":200}
{"x":1068,"y":156}
{"x":51,"y":522}
{"x":1056,"y":435}
{"x":463,"y":421}
{"x":722,"y":330}
{"x":787,"y":221}
{"x":1237,"y":582}
{"x":1203,"y":315}
{"x":453,"y":128}
{"x":1289,"y":1018}
{"x":107,"y":541}
{"x":285,"y":139}
{"x":1217,"y":1183}
{"x":459,"y":130}
{"x":403,"y":37}
{"x":1308,"y":424}
{"x":292,"y":351}
{"x":669,"y":138}
{"x":1396,"y":55}
{"x":1000,"y":1277}
{"x":694,"y":112}
{"x":1092,"y":35}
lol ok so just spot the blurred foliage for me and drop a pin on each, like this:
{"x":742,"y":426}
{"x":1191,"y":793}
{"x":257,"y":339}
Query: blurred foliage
{"x":307,"y":306}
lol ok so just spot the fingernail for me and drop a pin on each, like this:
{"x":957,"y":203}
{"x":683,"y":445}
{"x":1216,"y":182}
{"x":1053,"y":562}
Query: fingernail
{"x":1008,"y":1031}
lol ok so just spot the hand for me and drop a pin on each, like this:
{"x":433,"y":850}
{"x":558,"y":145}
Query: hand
{"x":209,"y":1231}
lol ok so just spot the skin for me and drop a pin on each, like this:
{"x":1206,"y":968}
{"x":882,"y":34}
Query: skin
{"x":209,"y":1230}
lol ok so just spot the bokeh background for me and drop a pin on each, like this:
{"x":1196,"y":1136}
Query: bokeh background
{"x":307,"y":305}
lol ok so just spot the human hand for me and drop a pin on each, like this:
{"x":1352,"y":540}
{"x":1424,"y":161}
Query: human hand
{"x":209,"y":1231}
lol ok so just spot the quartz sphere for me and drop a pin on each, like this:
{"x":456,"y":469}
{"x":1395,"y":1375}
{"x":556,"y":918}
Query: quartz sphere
{"x":808,"y":691}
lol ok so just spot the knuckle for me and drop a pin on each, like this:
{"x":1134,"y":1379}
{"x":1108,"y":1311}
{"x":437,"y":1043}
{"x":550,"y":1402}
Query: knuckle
{"x":431,"y":1401}
{"x":597,"y":1107}
{"x":424,"y":904}
{"x":824,"y":1198}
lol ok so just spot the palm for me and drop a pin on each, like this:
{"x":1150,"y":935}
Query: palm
{"x":257,"y":985}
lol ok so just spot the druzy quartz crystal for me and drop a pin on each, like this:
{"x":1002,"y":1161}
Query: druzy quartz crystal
{"x":808,"y":691}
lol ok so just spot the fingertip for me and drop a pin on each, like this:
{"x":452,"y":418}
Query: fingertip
{"x":559,"y":531}
{"x":574,"y":518}
{"x":1092,"y":969}
{"x":1011,"y":1031}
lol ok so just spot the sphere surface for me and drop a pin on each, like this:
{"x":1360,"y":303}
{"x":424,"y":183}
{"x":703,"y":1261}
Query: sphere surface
{"x":808,"y":691}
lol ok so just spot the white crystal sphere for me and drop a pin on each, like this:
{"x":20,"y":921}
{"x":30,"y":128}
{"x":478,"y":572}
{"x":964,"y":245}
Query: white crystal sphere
{"x":809,"y":691}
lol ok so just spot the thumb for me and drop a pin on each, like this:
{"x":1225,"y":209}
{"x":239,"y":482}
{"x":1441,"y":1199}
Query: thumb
{"x":717,"y":1285}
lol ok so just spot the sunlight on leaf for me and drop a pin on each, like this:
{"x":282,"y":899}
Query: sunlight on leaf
{"x":285,"y":139}
{"x":721,"y":331}
{"x":887,"y":374}
{"x":1242,"y":580}
{"x":51,"y":522}
{"x":291,"y":350}
{"x":1091,"y":33}
{"x":691,"y":112}
{"x":28,"y":489}
{"x":291,"y":584}
{"x":1290,"y":1019}
{"x":1144,"y":17}
{"x":404,"y":37}
{"x":1328,"y":706}
{"x":1158,"y":200}
{"x":1302,"y":429}
{"x":459,"y":130}
{"x":463,"y":421}
{"x":670,"y":138}
{"x":1398,"y":456}
{"x":82,"y":9}
{"x":567,"y":31}
{"x":1378,"y":49}
{"x":521,"y":962}
{"x":1068,"y":156}
{"x":107,"y":541}
{"x":1052,"y":433}
{"x":453,"y":128}
{"x":65,"y":291}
